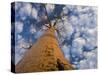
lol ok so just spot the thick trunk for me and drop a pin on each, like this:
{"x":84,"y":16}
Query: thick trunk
{"x":44,"y":55}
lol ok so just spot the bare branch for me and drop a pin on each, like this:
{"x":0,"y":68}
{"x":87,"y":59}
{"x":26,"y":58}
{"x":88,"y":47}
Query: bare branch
{"x":46,"y":14}
{"x":55,"y":22}
{"x":57,"y":18}
{"x":47,"y":26}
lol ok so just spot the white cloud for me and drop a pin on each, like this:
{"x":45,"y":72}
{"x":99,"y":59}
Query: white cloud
{"x":71,"y":7}
{"x":80,"y":41}
{"x":19,"y":36}
{"x":77,"y":46}
{"x":22,"y":43}
{"x":86,"y":16}
{"x":91,"y":36}
{"x":90,"y":54}
{"x":66,"y":50}
{"x":17,"y":5}
{"x":32,"y":29}
{"x":83,"y":64}
{"x":34,"y":13}
{"x":87,"y":21}
{"x":27,"y":10}
{"x":18,"y":27}
{"x":92,"y":32}
{"x":38,"y":34}
{"x":68,"y":27}
{"x":81,"y":9}
{"x":65,"y":10}
{"x":91,"y":43}
{"x":65,"y":28}
{"x":91,"y":60}
{"x":50,"y":8}
{"x":20,"y":48}
{"x":74,"y":20}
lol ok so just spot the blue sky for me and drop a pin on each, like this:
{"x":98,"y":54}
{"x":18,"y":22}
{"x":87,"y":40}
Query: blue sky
{"x":78,"y":30}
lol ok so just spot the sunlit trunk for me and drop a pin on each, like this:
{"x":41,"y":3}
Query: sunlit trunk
{"x":44,"y":55}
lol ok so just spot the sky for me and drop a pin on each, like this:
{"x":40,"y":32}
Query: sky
{"x":77,"y":30}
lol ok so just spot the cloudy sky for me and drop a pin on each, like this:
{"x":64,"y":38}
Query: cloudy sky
{"x":77,"y":30}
